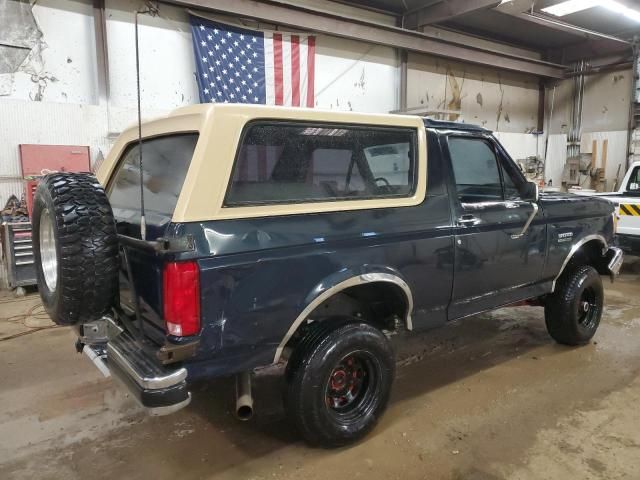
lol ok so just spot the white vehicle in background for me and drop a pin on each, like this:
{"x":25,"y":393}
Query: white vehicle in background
{"x":627,"y":200}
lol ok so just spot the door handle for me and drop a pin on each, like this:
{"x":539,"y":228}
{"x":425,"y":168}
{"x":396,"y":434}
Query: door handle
{"x":515,"y":236}
{"x":468,"y":220}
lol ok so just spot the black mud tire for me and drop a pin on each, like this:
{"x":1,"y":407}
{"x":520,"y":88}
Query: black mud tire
{"x":569,"y":321}
{"x":84,"y":239}
{"x":308,"y":376}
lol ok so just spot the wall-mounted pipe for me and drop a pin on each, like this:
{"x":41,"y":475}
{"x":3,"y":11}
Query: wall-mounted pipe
{"x":575,"y":133}
{"x":608,"y":68}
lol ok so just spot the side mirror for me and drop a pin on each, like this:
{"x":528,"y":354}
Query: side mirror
{"x":531,"y":193}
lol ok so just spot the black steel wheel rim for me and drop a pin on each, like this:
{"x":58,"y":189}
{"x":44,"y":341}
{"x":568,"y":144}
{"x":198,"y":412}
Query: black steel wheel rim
{"x":352,"y":386}
{"x":587,"y":307}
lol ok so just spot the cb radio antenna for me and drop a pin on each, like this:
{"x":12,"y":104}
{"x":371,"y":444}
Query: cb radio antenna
{"x":151,"y":9}
{"x":143,"y":223}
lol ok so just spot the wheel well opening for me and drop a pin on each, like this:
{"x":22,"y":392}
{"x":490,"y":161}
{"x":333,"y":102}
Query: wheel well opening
{"x":381,"y":304}
{"x":589,"y":254}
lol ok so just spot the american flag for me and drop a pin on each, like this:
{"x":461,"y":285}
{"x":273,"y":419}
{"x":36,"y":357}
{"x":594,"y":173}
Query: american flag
{"x":249,"y":66}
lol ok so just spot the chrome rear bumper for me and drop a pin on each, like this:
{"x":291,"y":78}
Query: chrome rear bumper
{"x":157,"y":388}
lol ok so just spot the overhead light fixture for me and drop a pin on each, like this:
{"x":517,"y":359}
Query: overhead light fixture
{"x":570,"y":6}
{"x":618,"y":7}
{"x":573,"y":6}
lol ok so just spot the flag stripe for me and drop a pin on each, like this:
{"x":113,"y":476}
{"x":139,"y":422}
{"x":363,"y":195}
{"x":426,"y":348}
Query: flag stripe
{"x":304,"y":77}
{"x":311,"y":66}
{"x":269,"y":70}
{"x":286,"y":70}
{"x":277,"y":68}
{"x":295,"y":70}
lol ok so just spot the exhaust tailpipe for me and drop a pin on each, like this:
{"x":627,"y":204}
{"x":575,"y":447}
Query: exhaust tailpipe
{"x":244,"y":398}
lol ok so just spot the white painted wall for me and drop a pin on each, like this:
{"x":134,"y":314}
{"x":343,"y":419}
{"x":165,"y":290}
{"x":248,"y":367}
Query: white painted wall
{"x":350,"y":75}
{"x":355,"y":76}
{"x":605,"y":105}
{"x":166,"y":60}
{"x":63,"y":64}
{"x":497,"y":100}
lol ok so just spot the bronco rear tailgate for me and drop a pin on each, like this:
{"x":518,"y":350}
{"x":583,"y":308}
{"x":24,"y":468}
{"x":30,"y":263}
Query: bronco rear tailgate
{"x":165,"y":162}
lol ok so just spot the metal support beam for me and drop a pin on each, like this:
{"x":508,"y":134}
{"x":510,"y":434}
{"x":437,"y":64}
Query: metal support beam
{"x":315,"y":20}
{"x":445,"y":10}
{"x":554,"y":24}
{"x":102,"y":57}
{"x":403,"y":79}
{"x":592,"y":49}
{"x":594,"y":44}
{"x":541,"y":105}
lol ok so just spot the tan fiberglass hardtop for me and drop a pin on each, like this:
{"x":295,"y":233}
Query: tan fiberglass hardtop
{"x":220,"y":127}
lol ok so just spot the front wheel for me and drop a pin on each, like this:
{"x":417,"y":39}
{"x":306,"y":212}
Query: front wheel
{"x":572,"y":313}
{"x":339,"y":383}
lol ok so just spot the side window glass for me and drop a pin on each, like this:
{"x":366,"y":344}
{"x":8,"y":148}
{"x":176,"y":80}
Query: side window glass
{"x":475,"y":169}
{"x":302,"y":162}
{"x":634,"y":181}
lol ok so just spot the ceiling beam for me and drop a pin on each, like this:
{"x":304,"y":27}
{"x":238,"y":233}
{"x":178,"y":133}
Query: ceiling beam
{"x":320,"y":21}
{"x":445,"y":10}
{"x":561,"y":26}
{"x":592,"y":44}
{"x":590,"y":50}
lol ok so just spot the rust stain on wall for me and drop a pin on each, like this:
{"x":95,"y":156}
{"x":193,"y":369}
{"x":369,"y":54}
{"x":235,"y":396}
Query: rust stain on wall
{"x":500,"y":104}
{"x":361,"y":83}
{"x":456,"y":94}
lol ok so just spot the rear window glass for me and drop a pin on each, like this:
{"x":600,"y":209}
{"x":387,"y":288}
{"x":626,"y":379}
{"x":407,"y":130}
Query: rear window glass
{"x":165,"y":161}
{"x":290,"y":163}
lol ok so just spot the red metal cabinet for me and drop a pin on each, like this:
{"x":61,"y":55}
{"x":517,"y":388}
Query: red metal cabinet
{"x":38,"y":160}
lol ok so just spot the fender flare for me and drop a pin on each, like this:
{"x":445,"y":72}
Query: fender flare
{"x":340,"y":281}
{"x":575,"y":248}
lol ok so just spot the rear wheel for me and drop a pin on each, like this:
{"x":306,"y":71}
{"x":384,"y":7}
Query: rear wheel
{"x":75,"y":247}
{"x":573,"y":312}
{"x":339,"y":382}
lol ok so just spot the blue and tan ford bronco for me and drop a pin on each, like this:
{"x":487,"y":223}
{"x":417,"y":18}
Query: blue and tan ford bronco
{"x":225,"y":238}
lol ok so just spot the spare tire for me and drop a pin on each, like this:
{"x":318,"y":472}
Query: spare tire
{"x":76,"y":248}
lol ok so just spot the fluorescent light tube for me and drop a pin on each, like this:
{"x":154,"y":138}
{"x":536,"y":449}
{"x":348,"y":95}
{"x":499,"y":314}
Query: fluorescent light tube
{"x":572,"y":6}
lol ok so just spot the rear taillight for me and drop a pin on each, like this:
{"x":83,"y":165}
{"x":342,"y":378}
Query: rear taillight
{"x":181,"y":298}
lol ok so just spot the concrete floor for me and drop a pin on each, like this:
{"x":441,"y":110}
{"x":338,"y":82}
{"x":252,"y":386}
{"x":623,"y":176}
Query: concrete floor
{"x":491,"y":397}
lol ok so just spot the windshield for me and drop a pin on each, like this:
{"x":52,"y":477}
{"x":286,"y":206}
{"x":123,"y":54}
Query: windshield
{"x":165,"y":163}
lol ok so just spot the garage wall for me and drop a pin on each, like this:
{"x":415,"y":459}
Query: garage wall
{"x":497,"y":100}
{"x":49,"y":80}
{"x":57,"y":60}
{"x":605,"y":106}
{"x":605,"y":116}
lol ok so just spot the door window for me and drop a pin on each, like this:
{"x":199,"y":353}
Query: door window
{"x":634,"y":181}
{"x":475,"y":169}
